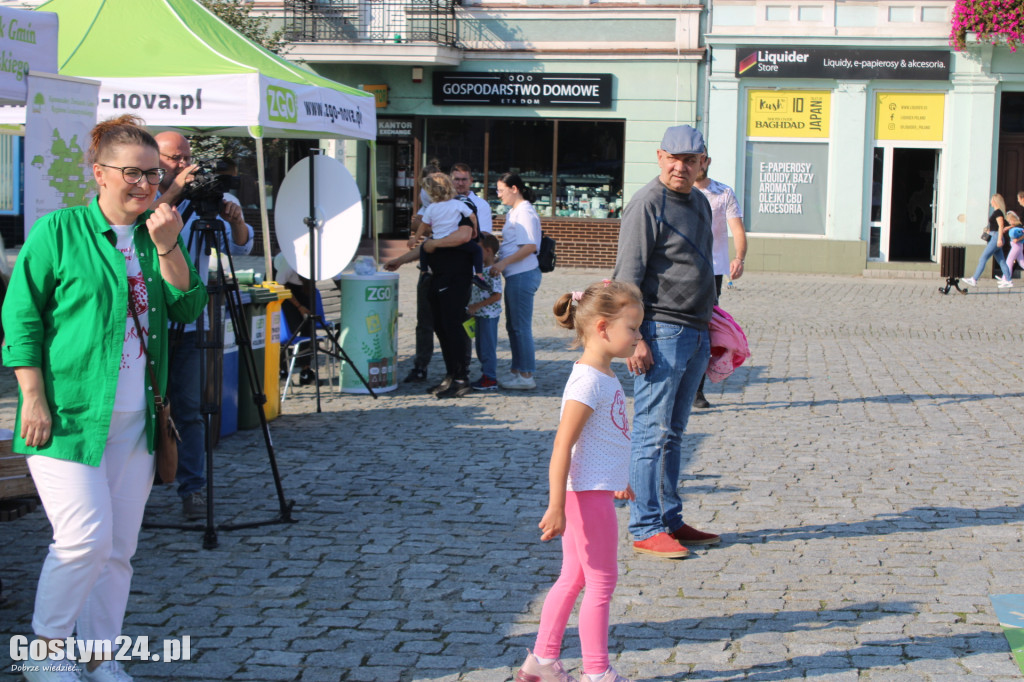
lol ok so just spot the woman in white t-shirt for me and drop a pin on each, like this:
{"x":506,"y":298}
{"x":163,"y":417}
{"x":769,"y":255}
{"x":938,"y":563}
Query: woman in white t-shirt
{"x":517,"y":261}
{"x":589,"y":469}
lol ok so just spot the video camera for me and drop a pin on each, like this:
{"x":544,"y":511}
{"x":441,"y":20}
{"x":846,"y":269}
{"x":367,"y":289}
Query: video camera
{"x":206,"y":188}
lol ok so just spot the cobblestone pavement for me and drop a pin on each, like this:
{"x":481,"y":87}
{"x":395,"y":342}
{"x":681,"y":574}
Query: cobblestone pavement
{"x":864,"y":469}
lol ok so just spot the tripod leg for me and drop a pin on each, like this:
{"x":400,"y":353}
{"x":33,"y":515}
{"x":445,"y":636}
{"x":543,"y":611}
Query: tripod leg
{"x":342,"y":355}
{"x":234,"y":304}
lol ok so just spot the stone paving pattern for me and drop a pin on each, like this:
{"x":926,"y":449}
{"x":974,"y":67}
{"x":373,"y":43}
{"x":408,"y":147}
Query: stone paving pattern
{"x":864,"y":469}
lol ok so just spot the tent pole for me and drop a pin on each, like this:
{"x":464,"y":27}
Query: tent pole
{"x":268,"y":258}
{"x":373,"y":201}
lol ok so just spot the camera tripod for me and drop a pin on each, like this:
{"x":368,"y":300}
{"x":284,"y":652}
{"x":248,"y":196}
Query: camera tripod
{"x":212,"y":235}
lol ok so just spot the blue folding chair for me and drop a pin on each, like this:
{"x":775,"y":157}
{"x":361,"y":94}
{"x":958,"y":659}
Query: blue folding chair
{"x":300,"y":345}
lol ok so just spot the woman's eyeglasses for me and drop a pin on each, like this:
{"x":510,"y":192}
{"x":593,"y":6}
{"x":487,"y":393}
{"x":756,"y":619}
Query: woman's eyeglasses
{"x":133,"y":176}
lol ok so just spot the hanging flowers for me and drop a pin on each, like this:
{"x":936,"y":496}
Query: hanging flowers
{"x":994,"y":21}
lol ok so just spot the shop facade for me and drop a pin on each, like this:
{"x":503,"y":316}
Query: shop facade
{"x":575,"y":100}
{"x":869,"y":143}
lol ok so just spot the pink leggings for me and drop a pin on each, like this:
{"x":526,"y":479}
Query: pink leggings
{"x":1016,"y":255}
{"x":589,"y":558}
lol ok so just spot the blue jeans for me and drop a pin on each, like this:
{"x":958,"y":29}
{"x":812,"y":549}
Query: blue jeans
{"x":519,"y":292}
{"x":992,"y":250}
{"x":487,"y":345}
{"x":662,"y":399}
{"x":183,"y":390}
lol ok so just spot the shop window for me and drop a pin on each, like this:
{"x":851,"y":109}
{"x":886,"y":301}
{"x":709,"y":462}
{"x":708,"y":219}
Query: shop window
{"x":786,"y":184}
{"x":458,"y":140}
{"x":525,"y":148}
{"x":574,"y":167}
{"x":589,"y":169}
{"x":1011,"y":114}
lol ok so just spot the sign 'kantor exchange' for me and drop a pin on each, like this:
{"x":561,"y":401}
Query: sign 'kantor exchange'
{"x":592,"y":90}
{"x":828,"y":62}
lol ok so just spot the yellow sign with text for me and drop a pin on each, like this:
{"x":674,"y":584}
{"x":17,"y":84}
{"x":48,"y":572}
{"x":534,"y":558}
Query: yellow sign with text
{"x":380,"y":93}
{"x":909,"y":115}
{"x":788,"y":113}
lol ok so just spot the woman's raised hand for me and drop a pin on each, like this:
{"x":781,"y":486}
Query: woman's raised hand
{"x":164,"y":225}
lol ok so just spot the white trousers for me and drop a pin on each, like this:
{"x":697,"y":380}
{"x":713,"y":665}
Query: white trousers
{"x":96,"y":513}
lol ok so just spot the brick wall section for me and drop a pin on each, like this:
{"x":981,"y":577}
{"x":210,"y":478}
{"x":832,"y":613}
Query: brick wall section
{"x":582,"y":243}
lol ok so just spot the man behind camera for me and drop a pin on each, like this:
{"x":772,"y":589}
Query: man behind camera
{"x":183,"y":388}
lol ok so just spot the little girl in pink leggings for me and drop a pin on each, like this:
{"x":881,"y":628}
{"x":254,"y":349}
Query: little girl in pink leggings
{"x":1016,"y":235}
{"x":589,"y":470}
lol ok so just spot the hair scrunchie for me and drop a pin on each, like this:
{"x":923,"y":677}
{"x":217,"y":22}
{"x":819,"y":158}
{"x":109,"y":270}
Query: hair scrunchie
{"x":577,"y":295}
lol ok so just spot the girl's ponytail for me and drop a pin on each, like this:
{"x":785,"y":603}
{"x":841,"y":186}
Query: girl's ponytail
{"x":565,"y":311}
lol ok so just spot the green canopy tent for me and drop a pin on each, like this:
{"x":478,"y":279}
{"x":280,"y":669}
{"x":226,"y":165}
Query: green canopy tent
{"x":179,"y":66}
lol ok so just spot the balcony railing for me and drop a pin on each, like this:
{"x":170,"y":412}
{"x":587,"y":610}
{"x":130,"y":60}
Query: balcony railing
{"x":370,"y":21}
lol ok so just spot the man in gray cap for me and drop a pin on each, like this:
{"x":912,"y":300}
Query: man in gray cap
{"x":665,"y":248}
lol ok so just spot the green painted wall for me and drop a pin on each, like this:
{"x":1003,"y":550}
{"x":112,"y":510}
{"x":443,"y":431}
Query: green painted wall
{"x":572,"y":30}
{"x":824,"y":256}
{"x":648,"y":95}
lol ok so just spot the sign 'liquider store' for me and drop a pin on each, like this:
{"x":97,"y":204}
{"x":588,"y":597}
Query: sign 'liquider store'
{"x":839,"y":173}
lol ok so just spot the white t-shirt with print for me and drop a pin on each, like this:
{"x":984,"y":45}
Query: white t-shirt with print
{"x":600,"y":458}
{"x":132,"y":379}
{"x":444,"y":216}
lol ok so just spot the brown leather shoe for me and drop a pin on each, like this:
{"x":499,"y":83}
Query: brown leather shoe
{"x":688,"y":535}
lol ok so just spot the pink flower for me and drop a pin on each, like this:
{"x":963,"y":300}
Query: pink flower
{"x":994,"y":21}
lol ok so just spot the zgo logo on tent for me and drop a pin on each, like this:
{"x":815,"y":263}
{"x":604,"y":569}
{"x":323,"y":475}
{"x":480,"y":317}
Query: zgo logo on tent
{"x":281,"y":104}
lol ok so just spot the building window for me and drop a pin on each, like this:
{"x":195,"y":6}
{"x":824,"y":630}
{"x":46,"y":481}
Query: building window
{"x":810,"y":13}
{"x":901,"y":15}
{"x":573,"y":166}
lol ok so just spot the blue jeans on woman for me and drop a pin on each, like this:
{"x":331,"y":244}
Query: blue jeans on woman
{"x":519,"y":292}
{"x":662,"y":398}
{"x":487,"y":345}
{"x":991,"y":249}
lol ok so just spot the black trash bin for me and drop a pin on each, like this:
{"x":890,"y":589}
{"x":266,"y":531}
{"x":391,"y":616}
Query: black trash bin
{"x":951,"y":266}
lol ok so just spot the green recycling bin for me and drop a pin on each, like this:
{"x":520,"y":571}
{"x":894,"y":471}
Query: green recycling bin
{"x":369,"y":331}
{"x":254,"y":310}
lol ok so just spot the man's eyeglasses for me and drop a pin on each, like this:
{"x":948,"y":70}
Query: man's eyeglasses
{"x":133,"y":176}
{"x":177,"y":158}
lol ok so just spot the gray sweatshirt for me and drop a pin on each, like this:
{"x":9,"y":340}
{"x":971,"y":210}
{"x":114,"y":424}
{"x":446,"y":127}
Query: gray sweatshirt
{"x":665,"y":245}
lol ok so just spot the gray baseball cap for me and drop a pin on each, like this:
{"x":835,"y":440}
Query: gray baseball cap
{"x":683,"y":140}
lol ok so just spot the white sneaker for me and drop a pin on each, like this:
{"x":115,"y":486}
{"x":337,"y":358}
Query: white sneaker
{"x":1004,"y":284}
{"x":519,"y":382}
{"x":970,"y":281}
{"x":108,"y":671}
{"x":59,"y":671}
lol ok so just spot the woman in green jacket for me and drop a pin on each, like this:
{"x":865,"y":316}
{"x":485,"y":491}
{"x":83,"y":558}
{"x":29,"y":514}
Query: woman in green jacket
{"x":86,"y":402}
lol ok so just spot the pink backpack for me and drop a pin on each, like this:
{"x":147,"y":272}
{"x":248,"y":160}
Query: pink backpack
{"x":729,"y":347}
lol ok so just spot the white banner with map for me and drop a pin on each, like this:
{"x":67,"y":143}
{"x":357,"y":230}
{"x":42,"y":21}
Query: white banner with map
{"x":61,"y":112}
